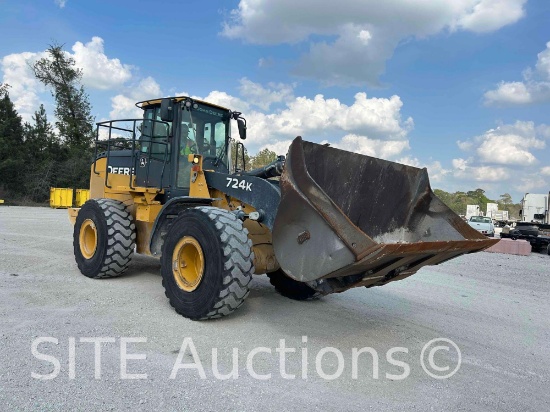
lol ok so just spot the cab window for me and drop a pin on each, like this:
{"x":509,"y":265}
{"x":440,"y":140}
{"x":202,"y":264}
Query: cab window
{"x":154,"y":134}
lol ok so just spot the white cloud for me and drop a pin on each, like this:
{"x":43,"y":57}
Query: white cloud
{"x":320,"y":118}
{"x":364,"y":36}
{"x":535,"y":87}
{"x":25,"y":89}
{"x":124,"y":104}
{"x":372,"y":117}
{"x":262,"y":97}
{"x":502,"y":159}
{"x":280,"y":147}
{"x":491,"y":15}
{"x":436,"y":171}
{"x":508,"y":149}
{"x":509,"y":144}
{"x":529,"y":183}
{"x":465,"y":172}
{"x":358,"y":36}
{"x":61,"y":3}
{"x":385,"y":149}
{"x":465,"y":145}
{"x":99,"y":71}
{"x":510,"y":93}
{"x":226,"y":100}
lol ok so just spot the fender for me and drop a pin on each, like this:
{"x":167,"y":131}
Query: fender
{"x":169,"y":210}
{"x":255,"y":191}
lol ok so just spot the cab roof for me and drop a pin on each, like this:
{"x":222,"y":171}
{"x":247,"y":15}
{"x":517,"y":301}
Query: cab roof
{"x":153,"y":102}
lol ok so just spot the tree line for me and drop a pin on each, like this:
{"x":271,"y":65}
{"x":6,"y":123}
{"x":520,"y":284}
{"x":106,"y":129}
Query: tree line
{"x":459,"y":200}
{"x":37,"y":155}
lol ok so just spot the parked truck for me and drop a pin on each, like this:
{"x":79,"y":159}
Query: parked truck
{"x":499,"y":217}
{"x":534,"y":223}
{"x":534,"y":208}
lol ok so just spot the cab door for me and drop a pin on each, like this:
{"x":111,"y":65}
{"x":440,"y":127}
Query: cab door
{"x":153,"y":158}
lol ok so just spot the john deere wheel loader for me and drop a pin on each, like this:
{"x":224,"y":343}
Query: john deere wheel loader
{"x":319,"y":221}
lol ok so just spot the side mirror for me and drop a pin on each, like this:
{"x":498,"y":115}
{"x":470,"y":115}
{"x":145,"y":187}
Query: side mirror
{"x":166,"y":110}
{"x":242,"y":128}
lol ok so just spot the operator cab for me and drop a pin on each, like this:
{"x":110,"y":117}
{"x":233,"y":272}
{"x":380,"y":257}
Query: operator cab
{"x":156,"y":148}
{"x":188,"y":126}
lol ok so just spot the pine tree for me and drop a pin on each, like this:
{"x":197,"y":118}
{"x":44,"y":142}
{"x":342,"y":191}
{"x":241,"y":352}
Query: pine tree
{"x":11,"y":142}
{"x":44,"y":153}
{"x":263,"y":158}
{"x":73,"y":111}
{"x":75,"y":122}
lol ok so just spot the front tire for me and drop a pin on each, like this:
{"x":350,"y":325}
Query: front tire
{"x":207,"y":263}
{"x":104,"y":238}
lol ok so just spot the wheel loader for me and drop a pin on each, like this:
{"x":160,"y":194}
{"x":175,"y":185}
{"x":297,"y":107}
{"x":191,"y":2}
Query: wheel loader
{"x":320,"y":220}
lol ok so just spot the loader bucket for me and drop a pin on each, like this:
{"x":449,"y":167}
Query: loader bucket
{"x":361,"y":220}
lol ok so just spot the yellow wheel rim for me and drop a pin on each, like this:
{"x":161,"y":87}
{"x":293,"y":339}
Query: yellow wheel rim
{"x":88,"y":239}
{"x":188,"y":263}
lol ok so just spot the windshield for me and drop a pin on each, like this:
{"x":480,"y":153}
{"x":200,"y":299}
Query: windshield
{"x":480,"y":219}
{"x":203,"y":130}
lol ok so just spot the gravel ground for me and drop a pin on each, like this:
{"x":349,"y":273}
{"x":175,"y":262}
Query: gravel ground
{"x":493,"y":307}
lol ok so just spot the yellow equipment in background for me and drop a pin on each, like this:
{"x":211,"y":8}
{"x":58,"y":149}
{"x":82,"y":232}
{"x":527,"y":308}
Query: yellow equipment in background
{"x":82,"y":195}
{"x":61,"y":197}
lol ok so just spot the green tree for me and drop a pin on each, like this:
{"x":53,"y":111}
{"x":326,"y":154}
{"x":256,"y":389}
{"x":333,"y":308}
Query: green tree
{"x":73,"y":112}
{"x":506,"y":199}
{"x":506,"y":203}
{"x":44,"y":153}
{"x":479,"y":198}
{"x":11,"y":140}
{"x":4,"y":89}
{"x":263,"y":158}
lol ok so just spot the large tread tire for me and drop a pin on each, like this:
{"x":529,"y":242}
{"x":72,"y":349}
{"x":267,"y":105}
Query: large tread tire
{"x":116,"y":238}
{"x":291,"y":288}
{"x":228,"y":263}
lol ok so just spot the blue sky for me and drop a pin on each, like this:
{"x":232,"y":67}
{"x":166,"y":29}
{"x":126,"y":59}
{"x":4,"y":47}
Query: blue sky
{"x":461,"y":87}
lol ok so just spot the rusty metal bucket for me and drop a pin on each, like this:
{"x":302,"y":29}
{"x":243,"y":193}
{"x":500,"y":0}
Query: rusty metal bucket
{"x":348,"y":220}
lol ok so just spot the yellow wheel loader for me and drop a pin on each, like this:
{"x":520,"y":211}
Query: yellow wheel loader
{"x":318,"y":221}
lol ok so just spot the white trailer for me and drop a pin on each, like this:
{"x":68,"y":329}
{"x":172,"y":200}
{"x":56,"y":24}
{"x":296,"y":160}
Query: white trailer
{"x":501,"y":215}
{"x":534,"y":208}
{"x":495,"y":214}
{"x":472,"y":210}
{"x":492,"y":208}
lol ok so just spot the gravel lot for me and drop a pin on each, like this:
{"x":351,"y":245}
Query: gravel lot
{"x":494,"y":307}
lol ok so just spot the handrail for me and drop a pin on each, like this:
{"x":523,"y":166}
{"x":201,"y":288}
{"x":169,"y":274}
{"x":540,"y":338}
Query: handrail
{"x":120,"y":142}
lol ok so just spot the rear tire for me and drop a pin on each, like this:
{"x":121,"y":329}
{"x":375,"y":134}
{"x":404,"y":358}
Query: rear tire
{"x":104,"y":238}
{"x":222,"y":263}
{"x":291,"y":288}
